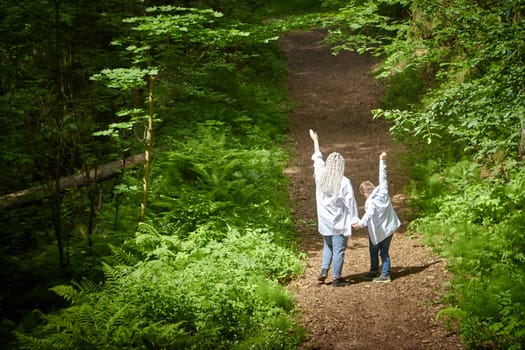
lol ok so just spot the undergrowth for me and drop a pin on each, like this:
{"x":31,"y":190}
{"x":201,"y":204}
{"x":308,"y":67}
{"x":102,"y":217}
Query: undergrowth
{"x":478,"y":224}
{"x":207,"y":268}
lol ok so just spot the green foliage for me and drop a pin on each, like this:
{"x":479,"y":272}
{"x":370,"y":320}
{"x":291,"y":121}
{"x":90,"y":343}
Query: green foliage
{"x":212,"y":176}
{"x":411,"y":124}
{"x":478,"y":106}
{"x":478,"y":224}
{"x":184,"y":294}
{"x":365,"y":26}
{"x":403,"y":89}
{"x":206,"y":270}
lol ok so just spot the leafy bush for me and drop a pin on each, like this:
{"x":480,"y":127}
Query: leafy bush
{"x":478,"y":223}
{"x":180,"y":295}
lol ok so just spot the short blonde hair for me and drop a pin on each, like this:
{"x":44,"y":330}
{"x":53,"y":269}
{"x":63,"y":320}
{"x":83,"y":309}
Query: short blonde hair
{"x":333,"y":173}
{"x":366,"y":187}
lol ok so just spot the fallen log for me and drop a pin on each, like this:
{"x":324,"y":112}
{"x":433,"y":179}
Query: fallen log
{"x":104,"y":172}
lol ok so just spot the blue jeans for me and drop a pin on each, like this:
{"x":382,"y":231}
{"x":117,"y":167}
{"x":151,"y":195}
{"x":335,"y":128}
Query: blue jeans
{"x":380,"y":249}
{"x":334,"y":252}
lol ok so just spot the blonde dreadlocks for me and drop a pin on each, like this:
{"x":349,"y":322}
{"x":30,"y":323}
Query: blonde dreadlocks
{"x":333,"y":173}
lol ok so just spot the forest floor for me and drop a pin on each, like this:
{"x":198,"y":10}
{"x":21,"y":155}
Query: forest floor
{"x":334,"y":96}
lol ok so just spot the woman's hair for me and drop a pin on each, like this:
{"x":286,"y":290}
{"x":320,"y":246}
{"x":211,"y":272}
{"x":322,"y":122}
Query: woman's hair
{"x":366,"y":187}
{"x":333,"y":173}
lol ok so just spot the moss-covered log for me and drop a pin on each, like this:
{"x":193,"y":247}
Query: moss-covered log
{"x":104,"y":172}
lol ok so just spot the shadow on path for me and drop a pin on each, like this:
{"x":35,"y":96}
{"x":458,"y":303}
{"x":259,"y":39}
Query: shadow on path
{"x":396,"y":272}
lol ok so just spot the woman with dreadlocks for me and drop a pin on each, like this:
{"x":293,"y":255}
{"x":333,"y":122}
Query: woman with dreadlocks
{"x":336,"y":210}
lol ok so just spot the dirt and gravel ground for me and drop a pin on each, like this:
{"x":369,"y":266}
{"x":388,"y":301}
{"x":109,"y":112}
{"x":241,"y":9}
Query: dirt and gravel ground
{"x":335,"y":95}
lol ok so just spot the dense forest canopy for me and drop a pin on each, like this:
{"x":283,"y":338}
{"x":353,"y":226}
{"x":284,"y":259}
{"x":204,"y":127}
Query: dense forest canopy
{"x":197,"y":91}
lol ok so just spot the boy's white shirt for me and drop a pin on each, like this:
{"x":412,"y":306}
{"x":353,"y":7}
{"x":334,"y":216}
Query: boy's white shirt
{"x":335,"y":214}
{"x":380,"y":217}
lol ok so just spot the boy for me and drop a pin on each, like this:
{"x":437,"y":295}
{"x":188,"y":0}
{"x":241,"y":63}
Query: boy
{"x":382,"y":222}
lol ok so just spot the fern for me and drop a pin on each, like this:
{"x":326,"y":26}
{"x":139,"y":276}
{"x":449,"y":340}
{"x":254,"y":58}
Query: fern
{"x":69,"y":293}
{"x":27,"y":342}
{"x":114,"y":274}
{"x":117,"y":320}
{"x":155,"y":245}
{"x":452,"y":316}
{"x":87,"y":286}
{"x":123,"y":257}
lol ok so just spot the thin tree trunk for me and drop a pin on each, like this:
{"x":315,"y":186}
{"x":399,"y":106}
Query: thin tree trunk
{"x":56,"y":203}
{"x":147,"y":153}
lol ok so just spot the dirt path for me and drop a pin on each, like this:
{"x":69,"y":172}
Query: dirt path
{"x":335,"y":95}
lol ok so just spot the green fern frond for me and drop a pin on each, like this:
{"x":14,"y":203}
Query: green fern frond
{"x":113,"y":274}
{"x":148,"y":229}
{"x":147,"y":235}
{"x":451,"y":315}
{"x":124,"y":257}
{"x":89,"y":286}
{"x":67,"y":292}
{"x":451,"y":312}
{"x":84,"y":316}
{"x":117,"y":320}
{"x":31,"y":343}
{"x":154,"y":244}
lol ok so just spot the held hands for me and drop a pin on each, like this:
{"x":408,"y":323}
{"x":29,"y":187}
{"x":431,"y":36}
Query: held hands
{"x":355,"y":223}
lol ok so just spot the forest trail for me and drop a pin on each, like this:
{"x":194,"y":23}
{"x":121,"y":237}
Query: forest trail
{"x":335,"y":95}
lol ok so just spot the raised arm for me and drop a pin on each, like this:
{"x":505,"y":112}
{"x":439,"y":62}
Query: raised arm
{"x":383,"y":189}
{"x":383,"y":181}
{"x":315,"y":139}
{"x":317,"y":157}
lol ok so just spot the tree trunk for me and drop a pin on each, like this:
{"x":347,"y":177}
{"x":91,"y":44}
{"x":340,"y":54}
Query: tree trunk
{"x":147,"y":153}
{"x":102,"y":173}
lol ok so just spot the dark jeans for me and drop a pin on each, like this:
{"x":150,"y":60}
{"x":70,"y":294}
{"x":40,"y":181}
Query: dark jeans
{"x":380,"y":249}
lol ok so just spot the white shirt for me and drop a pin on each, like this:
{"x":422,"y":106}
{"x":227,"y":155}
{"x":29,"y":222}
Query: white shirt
{"x":380,"y":217}
{"x":335,"y":212}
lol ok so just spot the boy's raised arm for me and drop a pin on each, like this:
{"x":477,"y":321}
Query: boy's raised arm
{"x":383,"y":181}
